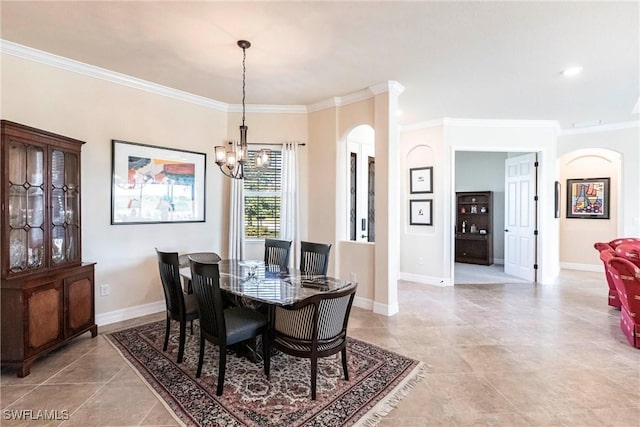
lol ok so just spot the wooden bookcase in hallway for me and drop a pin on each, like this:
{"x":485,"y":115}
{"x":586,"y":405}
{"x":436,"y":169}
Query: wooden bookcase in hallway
{"x":474,"y":222}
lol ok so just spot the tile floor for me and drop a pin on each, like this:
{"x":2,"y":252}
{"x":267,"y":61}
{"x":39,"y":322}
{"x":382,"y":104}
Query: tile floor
{"x":499,"y":355}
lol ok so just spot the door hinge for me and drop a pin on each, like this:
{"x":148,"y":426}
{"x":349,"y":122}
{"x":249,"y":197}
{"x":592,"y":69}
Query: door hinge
{"x":536,"y":164}
{"x":535,"y":198}
{"x":535,"y":232}
{"x":535,"y":266}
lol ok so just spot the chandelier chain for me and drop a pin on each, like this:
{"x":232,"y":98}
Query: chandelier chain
{"x":244,"y":71}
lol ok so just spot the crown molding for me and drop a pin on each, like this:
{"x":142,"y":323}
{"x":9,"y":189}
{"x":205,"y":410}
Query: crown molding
{"x":601,"y":128}
{"x":50,"y":59}
{"x":260,"y":108}
{"x":448,"y":121}
{"x":553,"y":124}
{"x":421,"y":125}
{"x":391,"y":86}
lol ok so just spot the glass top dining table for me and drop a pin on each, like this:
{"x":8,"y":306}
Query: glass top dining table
{"x":271,"y":284}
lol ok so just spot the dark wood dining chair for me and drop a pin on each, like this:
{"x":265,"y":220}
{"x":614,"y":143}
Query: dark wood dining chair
{"x":223,"y":326}
{"x":313,"y":328}
{"x":314,"y":258}
{"x":180,"y":307}
{"x":276,"y":252}
{"x":183,"y":261}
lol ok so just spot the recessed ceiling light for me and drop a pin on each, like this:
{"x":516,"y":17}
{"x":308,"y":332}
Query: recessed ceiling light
{"x":572,"y":71}
{"x":398,"y":113}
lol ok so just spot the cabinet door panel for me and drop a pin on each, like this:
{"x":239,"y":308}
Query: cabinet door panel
{"x":44,"y":313}
{"x":79,"y":304}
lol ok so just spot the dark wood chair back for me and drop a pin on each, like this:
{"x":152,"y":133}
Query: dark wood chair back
{"x":171,"y":283}
{"x":314,"y":258}
{"x":205,"y":280}
{"x":221,"y":326}
{"x":179,"y":307}
{"x":276,"y":252}
{"x":313,"y":328}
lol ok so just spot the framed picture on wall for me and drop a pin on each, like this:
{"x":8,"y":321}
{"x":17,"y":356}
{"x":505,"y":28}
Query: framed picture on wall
{"x":156,"y":185}
{"x":421,"y":212}
{"x":421,"y":180}
{"x":588,"y":198}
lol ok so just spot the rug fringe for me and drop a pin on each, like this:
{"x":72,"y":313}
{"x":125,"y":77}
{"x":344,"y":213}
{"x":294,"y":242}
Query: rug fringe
{"x":382,"y":408}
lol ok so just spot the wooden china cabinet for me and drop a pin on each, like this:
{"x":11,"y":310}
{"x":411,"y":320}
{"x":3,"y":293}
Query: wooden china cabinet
{"x":474,"y":227}
{"x":47,"y":292}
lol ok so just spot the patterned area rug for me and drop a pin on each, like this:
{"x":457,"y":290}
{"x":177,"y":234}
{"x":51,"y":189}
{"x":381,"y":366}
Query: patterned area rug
{"x":379,"y":379}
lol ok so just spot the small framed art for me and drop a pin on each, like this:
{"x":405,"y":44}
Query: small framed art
{"x":421,"y":212}
{"x":588,"y":198}
{"x":421,"y":180}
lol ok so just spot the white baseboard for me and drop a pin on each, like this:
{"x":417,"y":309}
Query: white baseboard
{"x":364,"y":303}
{"x":130,"y":313}
{"x":385,"y":309}
{"x":427,"y":280}
{"x":582,"y":267}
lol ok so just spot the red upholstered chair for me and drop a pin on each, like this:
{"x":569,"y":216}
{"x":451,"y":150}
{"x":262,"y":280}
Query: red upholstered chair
{"x":615,"y":242}
{"x":626,"y":277}
{"x":629,"y":251}
{"x":606,"y":255}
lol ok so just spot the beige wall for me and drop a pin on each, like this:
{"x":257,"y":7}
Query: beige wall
{"x":97,"y":111}
{"x":577,"y":236}
{"x":420,"y":260}
{"x":328,"y":130}
{"x":592,"y":153}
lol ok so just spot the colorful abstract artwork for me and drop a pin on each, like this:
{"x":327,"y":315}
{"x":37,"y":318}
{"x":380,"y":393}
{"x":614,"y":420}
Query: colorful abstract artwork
{"x":154,"y":184}
{"x":588,"y":198}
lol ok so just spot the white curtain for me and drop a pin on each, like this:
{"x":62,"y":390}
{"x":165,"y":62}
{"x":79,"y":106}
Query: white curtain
{"x":289,"y":211}
{"x":236,"y":220}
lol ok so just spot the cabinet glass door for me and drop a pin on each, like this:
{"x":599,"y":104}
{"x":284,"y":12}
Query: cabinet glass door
{"x":26,"y":206}
{"x":65,"y":205}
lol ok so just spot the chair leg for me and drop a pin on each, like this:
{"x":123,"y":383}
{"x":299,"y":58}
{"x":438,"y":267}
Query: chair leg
{"x":314,"y":374}
{"x":222,"y":364}
{"x":266,"y":353}
{"x":191,"y":326}
{"x":183,"y":333}
{"x":344,"y":364}
{"x":166,"y":333}
{"x":200,"y":355}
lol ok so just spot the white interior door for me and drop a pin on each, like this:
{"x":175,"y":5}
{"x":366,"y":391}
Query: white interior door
{"x":520,"y":216}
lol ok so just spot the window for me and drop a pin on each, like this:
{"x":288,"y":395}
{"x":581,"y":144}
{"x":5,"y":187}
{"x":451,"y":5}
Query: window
{"x":360,"y":184}
{"x":262,"y":192}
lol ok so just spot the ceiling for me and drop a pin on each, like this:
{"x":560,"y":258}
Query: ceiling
{"x":485,"y":60}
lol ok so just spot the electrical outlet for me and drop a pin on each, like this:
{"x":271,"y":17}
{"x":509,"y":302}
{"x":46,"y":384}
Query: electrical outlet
{"x":105,"y":290}
{"x":420,"y":260}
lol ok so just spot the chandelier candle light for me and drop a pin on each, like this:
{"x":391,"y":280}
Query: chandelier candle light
{"x":232,"y":161}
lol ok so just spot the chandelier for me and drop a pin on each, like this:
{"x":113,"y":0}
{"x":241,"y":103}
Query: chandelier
{"x":232,"y":160}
